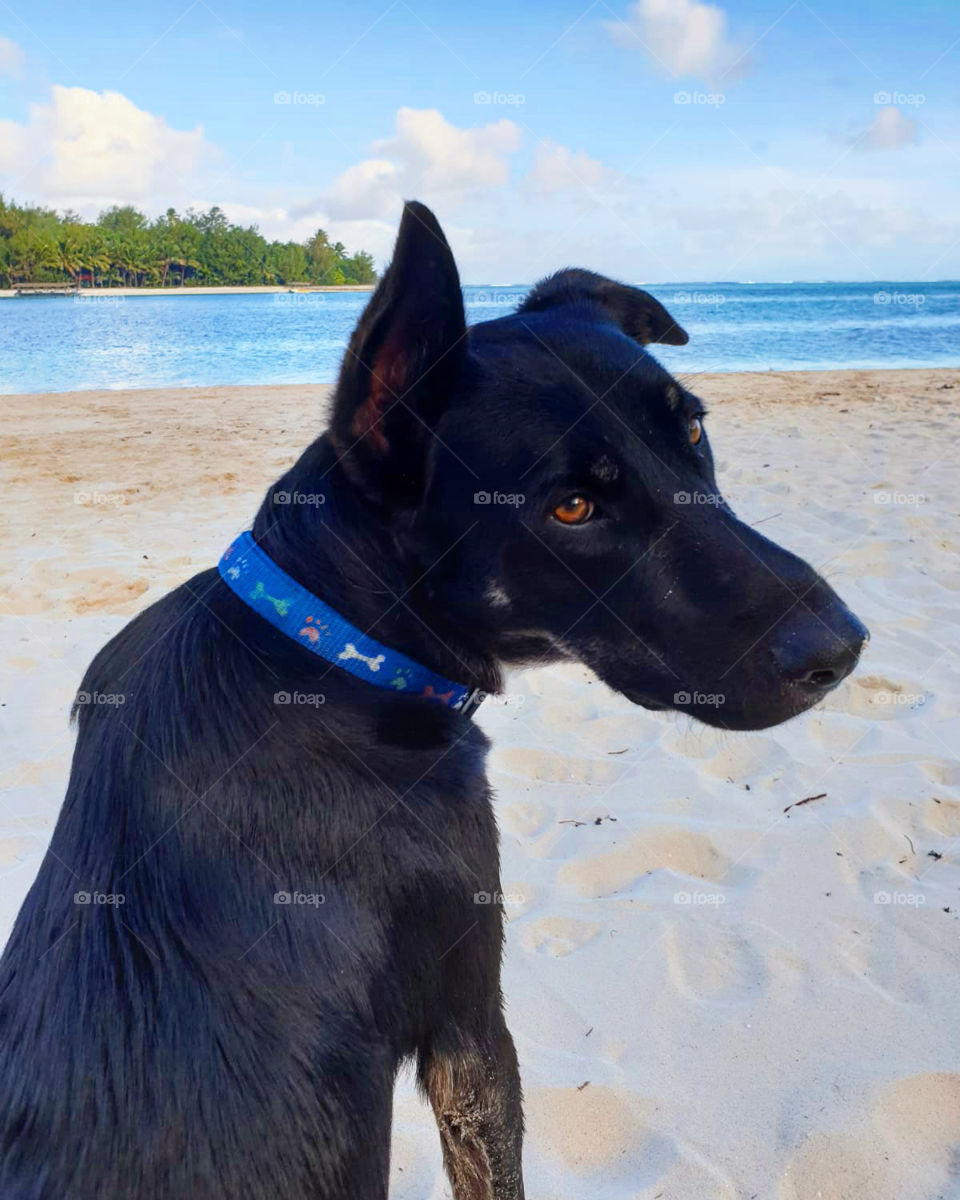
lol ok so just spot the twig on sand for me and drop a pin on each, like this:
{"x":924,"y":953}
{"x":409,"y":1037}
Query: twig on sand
{"x":805,"y":800}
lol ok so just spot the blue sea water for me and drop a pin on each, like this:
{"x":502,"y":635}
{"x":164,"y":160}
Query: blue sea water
{"x":104,"y":341}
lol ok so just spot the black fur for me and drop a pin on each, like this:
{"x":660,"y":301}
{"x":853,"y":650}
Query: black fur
{"x":200,"y":1039}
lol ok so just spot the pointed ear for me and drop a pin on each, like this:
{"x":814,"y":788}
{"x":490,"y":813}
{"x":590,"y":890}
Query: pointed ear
{"x":399,"y":368}
{"x":637,"y":313}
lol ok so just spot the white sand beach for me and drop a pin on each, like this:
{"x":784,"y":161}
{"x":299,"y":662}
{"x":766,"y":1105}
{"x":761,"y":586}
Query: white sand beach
{"x":719,"y":988}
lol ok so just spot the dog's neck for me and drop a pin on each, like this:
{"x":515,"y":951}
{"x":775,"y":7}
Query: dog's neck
{"x":320,"y":529}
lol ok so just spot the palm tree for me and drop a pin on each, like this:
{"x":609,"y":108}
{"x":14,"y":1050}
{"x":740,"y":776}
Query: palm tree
{"x":69,"y":252}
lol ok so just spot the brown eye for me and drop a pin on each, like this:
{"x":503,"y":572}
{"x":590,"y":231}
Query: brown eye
{"x":694,"y":430}
{"x":575,"y":510}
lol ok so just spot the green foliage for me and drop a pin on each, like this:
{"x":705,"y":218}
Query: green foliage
{"x":123,"y":248}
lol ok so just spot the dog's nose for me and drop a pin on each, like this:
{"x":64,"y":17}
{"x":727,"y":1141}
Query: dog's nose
{"x":823,"y":651}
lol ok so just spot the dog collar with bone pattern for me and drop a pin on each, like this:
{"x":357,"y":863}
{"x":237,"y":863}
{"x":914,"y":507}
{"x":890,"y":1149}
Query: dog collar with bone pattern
{"x":252,"y":575}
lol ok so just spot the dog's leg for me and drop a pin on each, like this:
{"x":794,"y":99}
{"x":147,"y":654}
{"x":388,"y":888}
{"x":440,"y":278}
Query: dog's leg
{"x":474,"y":1087}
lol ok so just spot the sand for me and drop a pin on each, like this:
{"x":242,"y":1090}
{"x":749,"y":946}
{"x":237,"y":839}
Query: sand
{"x":712,"y":998}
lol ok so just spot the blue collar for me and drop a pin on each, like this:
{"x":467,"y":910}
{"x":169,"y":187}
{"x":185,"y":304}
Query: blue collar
{"x":250,"y":573}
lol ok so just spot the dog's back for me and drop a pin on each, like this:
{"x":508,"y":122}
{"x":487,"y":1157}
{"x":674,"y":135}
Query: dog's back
{"x":205,"y":992}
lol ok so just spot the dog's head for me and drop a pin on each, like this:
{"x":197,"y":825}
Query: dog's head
{"x":556,"y":486}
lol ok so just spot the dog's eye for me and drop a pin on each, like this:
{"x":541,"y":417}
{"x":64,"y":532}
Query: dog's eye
{"x":575,"y":510}
{"x":694,"y":430}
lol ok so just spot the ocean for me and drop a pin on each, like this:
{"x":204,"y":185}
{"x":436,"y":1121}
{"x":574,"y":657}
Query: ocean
{"x":50,"y":344}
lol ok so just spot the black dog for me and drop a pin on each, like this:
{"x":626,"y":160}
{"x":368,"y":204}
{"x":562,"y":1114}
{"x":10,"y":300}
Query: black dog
{"x":182,"y":1034}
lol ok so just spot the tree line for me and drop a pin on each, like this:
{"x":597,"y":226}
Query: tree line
{"x":122,"y":247}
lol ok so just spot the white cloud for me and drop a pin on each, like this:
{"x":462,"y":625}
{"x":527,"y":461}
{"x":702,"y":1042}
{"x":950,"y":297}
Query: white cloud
{"x":556,"y":168}
{"x":371,"y":188}
{"x":13,"y":143}
{"x":684,"y":36}
{"x":427,"y":156}
{"x":11,"y":58}
{"x":87,"y":149}
{"x":889,"y":129}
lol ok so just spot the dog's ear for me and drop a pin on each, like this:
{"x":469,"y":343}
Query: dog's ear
{"x":637,"y":313}
{"x":399,"y":368}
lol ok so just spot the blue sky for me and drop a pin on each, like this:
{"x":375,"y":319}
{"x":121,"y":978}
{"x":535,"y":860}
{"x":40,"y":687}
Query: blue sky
{"x":657,"y":140}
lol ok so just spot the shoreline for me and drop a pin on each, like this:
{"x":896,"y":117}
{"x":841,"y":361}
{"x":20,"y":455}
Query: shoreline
{"x":947,"y":377}
{"x":212,"y":290}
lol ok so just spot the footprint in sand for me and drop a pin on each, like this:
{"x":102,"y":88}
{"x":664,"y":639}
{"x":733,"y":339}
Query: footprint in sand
{"x":609,"y":1133}
{"x":749,"y":760}
{"x":526,"y":817}
{"x":943,"y":816}
{"x":549,"y":766}
{"x":619,"y":736}
{"x":869,"y":954}
{"x":942,"y":771}
{"x":599,"y":1131}
{"x":15,"y":850}
{"x":110,"y":592}
{"x":694,"y":1176}
{"x":713,"y":965}
{"x":558,"y":936}
{"x":662,"y":849}
{"x":906,"y":1145}
{"x":878,"y":698}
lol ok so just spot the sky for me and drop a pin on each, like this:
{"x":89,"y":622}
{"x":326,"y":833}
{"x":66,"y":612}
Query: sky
{"x":652,"y":140}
